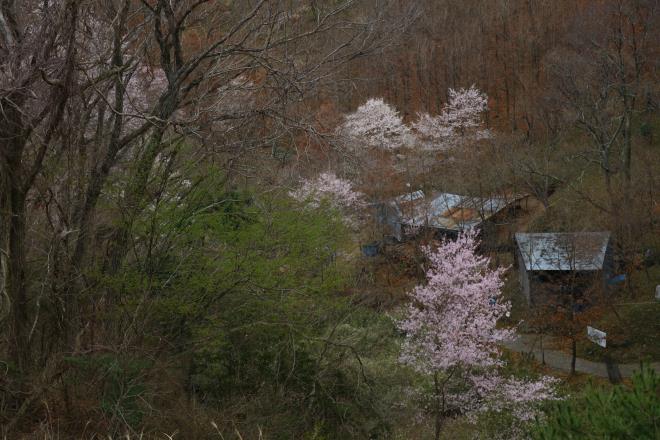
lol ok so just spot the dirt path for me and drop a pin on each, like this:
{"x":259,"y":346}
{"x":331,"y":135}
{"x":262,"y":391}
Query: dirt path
{"x":562,"y":361}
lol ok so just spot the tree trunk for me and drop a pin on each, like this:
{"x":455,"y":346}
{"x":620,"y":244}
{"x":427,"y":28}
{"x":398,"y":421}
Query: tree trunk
{"x":573,"y":354}
{"x":15,"y":280}
{"x":134,"y":196}
{"x":12,"y":208}
{"x":439,"y":407}
{"x":627,"y":147}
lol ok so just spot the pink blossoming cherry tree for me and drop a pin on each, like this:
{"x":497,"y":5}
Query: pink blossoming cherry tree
{"x":451,"y":334}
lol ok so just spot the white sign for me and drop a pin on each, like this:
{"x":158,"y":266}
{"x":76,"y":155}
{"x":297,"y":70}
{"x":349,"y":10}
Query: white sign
{"x":596,"y":336}
{"x":657,"y":292}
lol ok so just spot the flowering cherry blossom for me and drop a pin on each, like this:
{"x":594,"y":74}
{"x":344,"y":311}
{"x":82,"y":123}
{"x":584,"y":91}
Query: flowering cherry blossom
{"x":327,"y":186}
{"x":377,"y":124}
{"x":432,"y":132}
{"x":452,"y":318}
{"x":451,"y":332}
{"x":464,"y":109}
{"x":492,"y":391}
{"x":459,"y":120}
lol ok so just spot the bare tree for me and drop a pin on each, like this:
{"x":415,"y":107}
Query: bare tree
{"x":603,"y":74}
{"x":96,"y":95}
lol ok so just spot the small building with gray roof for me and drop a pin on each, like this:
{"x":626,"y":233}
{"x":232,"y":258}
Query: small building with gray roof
{"x":445,"y":214}
{"x":553,"y":262}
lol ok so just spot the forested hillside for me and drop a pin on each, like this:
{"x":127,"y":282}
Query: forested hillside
{"x":302,"y":219}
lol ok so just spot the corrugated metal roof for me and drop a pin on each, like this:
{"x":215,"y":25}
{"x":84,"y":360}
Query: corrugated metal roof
{"x":410,"y":197}
{"x":581,"y":251}
{"x":447,"y":211}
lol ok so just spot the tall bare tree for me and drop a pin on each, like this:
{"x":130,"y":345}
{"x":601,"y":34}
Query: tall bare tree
{"x":100,"y":94}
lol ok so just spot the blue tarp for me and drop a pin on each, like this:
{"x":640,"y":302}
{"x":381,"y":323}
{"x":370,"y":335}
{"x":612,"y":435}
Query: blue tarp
{"x":617,"y":279}
{"x":371,"y":249}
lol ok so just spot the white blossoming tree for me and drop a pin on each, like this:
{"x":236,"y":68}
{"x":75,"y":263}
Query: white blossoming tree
{"x":460,"y":120}
{"x":375,"y":124}
{"x":327,"y":187}
{"x":464,"y":109}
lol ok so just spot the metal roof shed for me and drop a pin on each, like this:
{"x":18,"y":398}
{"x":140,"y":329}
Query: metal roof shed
{"x":444,"y":212}
{"x":561,"y":252}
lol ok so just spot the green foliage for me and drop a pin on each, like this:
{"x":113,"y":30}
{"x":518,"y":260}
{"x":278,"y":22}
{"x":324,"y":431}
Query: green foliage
{"x":247,"y":291}
{"x":617,"y":413}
